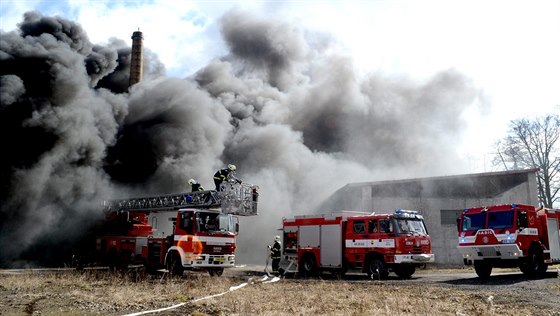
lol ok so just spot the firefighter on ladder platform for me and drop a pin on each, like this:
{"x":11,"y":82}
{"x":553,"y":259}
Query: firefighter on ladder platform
{"x":225,"y":174}
{"x":195,"y":186}
{"x":275,"y":255}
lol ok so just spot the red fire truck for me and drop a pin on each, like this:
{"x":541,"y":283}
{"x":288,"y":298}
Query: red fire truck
{"x":202,"y":239}
{"x":508,"y":236}
{"x":371,"y":243}
{"x":195,"y":230}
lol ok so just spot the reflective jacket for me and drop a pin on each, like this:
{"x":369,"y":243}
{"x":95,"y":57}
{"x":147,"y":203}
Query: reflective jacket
{"x":221,"y":174}
{"x":197,"y":187}
{"x":275,"y":250}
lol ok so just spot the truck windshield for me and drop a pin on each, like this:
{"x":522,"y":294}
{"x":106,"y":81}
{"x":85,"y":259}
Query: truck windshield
{"x":212,"y":222}
{"x":473,"y":221}
{"x":498,"y":220}
{"x":408,"y":225}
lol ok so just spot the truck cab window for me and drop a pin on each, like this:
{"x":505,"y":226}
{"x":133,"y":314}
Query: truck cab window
{"x":522,"y":219}
{"x":500,"y":220}
{"x":186,"y":222}
{"x":200,"y":223}
{"x":386,"y":226}
{"x":372,"y":227}
{"x":474,"y":221}
{"x":211,"y":223}
{"x":359,"y":227}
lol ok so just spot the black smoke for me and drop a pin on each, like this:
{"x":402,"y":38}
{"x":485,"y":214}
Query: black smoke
{"x":294,"y":117}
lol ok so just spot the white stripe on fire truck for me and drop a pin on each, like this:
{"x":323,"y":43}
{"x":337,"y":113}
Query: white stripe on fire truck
{"x":210,"y":240}
{"x":500,"y":237}
{"x":529,"y":231}
{"x":366,"y":243}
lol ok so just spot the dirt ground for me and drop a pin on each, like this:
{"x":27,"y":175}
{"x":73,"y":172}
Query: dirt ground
{"x":245,"y":291}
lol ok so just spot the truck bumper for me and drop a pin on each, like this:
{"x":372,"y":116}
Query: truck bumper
{"x":501,"y":251}
{"x":415,"y":258}
{"x":207,"y":261}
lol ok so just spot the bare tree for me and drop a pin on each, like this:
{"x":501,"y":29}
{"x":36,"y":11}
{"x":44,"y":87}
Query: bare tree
{"x":534,"y":144}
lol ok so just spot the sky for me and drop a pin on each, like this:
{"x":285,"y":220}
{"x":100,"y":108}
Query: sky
{"x":510,"y":49}
{"x":303,"y":96}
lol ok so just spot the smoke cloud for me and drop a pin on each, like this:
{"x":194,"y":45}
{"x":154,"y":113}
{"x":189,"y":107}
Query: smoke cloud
{"x":294,"y":117}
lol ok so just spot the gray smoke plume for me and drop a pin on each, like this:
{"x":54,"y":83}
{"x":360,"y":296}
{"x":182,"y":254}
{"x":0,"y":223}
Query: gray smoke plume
{"x":294,"y":118}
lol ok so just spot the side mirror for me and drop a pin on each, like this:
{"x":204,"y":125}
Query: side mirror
{"x":458,"y":224}
{"x":236,"y":228}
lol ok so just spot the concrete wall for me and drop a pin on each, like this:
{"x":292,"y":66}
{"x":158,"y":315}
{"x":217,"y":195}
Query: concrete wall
{"x":443,"y":234}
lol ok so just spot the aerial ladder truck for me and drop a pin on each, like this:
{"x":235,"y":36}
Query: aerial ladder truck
{"x":194,"y":230}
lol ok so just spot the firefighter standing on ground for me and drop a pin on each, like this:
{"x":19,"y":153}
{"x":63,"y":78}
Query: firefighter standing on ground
{"x":275,"y":254}
{"x":195,"y":186}
{"x":225,"y":174}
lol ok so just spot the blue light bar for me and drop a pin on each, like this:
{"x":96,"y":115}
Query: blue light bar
{"x":403,"y":212}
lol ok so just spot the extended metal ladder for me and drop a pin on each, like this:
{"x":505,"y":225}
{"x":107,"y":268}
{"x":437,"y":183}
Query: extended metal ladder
{"x":233,"y":198}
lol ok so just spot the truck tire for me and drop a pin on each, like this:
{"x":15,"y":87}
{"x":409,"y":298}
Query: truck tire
{"x":216,"y":271}
{"x":112,"y":260}
{"x":404,"y":271}
{"x":483,"y":269}
{"x":174,"y":265}
{"x":535,"y":266}
{"x":78,"y":262}
{"x":376,"y":270}
{"x":307,"y":266}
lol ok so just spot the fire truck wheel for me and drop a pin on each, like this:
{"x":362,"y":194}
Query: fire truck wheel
{"x":174,"y":265}
{"x":307,"y":266}
{"x":376,"y":270}
{"x":112,"y":260}
{"x":535,"y":263}
{"x":483,"y":269}
{"x":216,"y":271}
{"x":78,"y":262}
{"x":405,"y":271}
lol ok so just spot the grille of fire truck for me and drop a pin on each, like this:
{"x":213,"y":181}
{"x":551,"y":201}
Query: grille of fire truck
{"x":211,"y":249}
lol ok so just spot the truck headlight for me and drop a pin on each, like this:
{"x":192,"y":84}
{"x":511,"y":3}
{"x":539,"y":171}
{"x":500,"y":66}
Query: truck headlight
{"x":510,"y":239}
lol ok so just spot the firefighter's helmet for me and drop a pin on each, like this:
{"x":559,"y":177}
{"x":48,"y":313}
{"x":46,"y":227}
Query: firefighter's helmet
{"x":231,"y":167}
{"x":277,"y":238}
{"x":192,"y":181}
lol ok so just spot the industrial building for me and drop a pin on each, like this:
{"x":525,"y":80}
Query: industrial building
{"x":439,"y":200}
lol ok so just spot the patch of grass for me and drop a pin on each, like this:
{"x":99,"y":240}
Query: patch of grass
{"x":105,"y":293}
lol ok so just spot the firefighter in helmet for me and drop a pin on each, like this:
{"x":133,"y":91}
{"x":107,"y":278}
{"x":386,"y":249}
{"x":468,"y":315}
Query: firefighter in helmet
{"x":275,"y":254}
{"x":195,"y":186}
{"x":225,"y":174}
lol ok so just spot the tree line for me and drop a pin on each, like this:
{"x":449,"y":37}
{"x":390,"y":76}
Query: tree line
{"x":533,"y":143}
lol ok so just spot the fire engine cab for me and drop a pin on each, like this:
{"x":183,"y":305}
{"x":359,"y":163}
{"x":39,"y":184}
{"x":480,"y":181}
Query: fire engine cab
{"x":371,"y":243}
{"x":508,"y":236}
{"x":195,"y":230}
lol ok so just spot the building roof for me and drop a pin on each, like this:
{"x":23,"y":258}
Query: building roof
{"x":476,"y":185}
